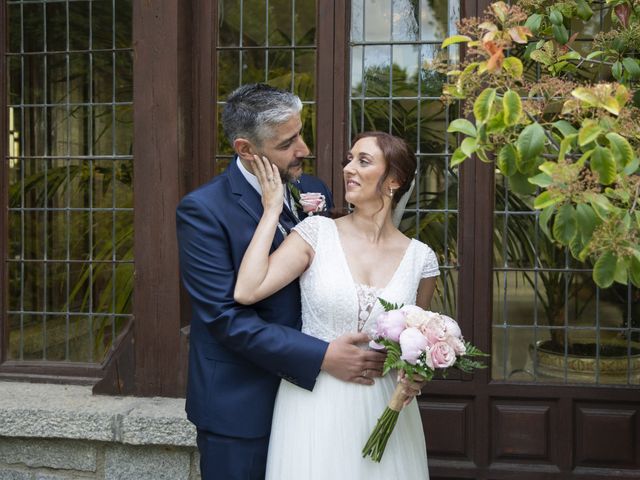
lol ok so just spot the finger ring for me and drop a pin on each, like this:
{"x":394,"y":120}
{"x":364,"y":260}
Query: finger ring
{"x":364,"y":373}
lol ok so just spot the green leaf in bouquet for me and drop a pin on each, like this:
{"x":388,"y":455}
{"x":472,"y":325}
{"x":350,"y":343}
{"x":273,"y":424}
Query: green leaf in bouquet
{"x":388,"y":306}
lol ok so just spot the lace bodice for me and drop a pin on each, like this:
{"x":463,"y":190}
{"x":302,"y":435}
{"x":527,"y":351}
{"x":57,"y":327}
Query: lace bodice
{"x":332,"y":303}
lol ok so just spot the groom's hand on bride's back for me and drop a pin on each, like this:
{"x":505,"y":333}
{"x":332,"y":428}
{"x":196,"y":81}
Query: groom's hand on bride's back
{"x":348,"y":361}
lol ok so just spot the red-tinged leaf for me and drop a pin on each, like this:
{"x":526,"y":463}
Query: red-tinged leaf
{"x":623,"y":11}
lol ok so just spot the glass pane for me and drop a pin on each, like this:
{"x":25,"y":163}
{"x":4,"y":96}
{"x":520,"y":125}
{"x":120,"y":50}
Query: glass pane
{"x":254,"y":22}
{"x":433,"y":126}
{"x":14,"y":27}
{"x":405,"y":70}
{"x":434,"y":20}
{"x":305,"y":74}
{"x":404,"y":120}
{"x":357,"y":62}
{"x":102,"y":76}
{"x":79,"y":27}
{"x":57,"y":228}
{"x":229,"y":21}
{"x":124,"y":77}
{"x":102,"y":25}
{"x":284,"y":31}
{"x":56,"y":337}
{"x":57,"y":279}
{"x":280,"y":68}
{"x":253,"y":66}
{"x":123,"y":136}
{"x":377,"y":62}
{"x":56,"y":26}
{"x":305,"y":23}
{"x":33,"y":33}
{"x":228,"y":62}
{"x":279,"y":21}
{"x":34,"y":68}
{"x":123,"y":13}
{"x":405,"y":20}
{"x":377,"y":20}
{"x":357,"y":21}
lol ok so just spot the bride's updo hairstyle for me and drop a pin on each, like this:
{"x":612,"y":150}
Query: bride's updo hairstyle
{"x":400,"y":162}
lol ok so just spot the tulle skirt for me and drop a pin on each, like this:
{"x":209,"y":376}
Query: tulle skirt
{"x":319,"y":435}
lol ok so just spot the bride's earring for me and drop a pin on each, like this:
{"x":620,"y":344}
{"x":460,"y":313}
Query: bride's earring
{"x":391,"y":192}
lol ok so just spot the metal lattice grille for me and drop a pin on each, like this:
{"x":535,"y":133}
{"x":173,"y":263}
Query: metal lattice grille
{"x":270,"y":41}
{"x":70,"y":255}
{"x":396,"y":88}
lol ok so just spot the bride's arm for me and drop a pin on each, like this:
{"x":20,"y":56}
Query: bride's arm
{"x":426,"y":287}
{"x":261,"y":275}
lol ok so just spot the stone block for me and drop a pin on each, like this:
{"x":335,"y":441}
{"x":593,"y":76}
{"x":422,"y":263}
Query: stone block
{"x":8,"y":474}
{"x":60,"y":454}
{"x":150,"y":463}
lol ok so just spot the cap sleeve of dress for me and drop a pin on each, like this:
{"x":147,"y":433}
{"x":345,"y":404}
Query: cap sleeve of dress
{"x":308,"y":229}
{"x":430,"y":266}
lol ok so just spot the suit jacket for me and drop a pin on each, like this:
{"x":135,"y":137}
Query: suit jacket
{"x":238,"y":353}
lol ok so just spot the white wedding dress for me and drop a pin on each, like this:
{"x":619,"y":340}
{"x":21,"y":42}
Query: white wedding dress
{"x":319,"y":435}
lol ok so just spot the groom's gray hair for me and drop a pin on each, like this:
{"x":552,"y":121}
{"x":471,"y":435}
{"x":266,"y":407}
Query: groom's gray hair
{"x":253,"y":110}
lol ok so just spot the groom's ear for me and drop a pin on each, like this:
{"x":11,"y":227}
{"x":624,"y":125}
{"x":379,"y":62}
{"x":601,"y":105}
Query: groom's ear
{"x":244,"y":148}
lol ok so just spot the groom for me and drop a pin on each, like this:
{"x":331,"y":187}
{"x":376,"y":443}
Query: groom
{"x":238,"y":354}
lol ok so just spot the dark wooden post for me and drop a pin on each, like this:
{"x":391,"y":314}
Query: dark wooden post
{"x":162,"y":119}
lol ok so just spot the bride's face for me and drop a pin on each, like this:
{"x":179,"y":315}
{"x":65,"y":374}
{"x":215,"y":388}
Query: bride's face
{"x":364,"y":167}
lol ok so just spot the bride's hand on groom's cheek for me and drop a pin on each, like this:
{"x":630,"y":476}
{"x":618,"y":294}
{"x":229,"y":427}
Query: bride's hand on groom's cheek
{"x":346,"y":360}
{"x":269,"y":178}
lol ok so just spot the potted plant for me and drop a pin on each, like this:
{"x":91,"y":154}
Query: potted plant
{"x":562,"y":139}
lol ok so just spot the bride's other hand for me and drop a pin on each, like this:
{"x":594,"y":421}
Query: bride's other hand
{"x":347,"y":361}
{"x":412,"y":388}
{"x":270,"y":183}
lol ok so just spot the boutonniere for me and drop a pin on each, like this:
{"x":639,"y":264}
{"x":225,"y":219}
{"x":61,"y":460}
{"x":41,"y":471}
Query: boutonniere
{"x":308,"y":202}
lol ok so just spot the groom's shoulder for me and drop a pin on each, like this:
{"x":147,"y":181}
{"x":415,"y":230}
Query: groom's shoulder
{"x":311,"y":183}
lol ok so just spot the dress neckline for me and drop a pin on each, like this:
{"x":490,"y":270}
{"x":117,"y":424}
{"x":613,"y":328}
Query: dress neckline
{"x":348,"y":269}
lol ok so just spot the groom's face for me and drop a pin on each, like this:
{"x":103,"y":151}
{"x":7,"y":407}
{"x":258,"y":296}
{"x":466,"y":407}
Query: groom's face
{"x":286,"y":148}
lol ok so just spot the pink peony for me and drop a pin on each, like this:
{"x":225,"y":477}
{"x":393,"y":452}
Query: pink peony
{"x":434,"y":330}
{"x":413,"y":344}
{"x":416,"y":316}
{"x":391,"y":324}
{"x":451,"y":327}
{"x":312,"y":202}
{"x":442,"y":355}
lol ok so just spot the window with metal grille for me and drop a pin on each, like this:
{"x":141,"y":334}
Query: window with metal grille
{"x":396,"y":88}
{"x":270,"y":41}
{"x":69,"y":167}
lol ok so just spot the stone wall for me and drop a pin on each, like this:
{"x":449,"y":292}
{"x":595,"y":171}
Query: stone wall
{"x":63,"y":432}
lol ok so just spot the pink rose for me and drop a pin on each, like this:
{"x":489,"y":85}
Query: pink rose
{"x":312,"y":202}
{"x":390,"y":325}
{"x":451,"y":326}
{"x":434,"y":330}
{"x":413,"y":344}
{"x":442,"y":355}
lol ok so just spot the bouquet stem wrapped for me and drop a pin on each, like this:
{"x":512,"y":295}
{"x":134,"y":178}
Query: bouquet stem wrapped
{"x":418,"y":343}
{"x":386,"y":423}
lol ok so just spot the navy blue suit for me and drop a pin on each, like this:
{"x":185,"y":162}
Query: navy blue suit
{"x":238,"y":353}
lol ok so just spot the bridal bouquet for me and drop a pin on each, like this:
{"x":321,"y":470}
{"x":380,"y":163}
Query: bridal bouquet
{"x":418,"y":342}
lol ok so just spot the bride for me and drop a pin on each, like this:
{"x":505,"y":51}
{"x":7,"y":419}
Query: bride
{"x":344,"y":265}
